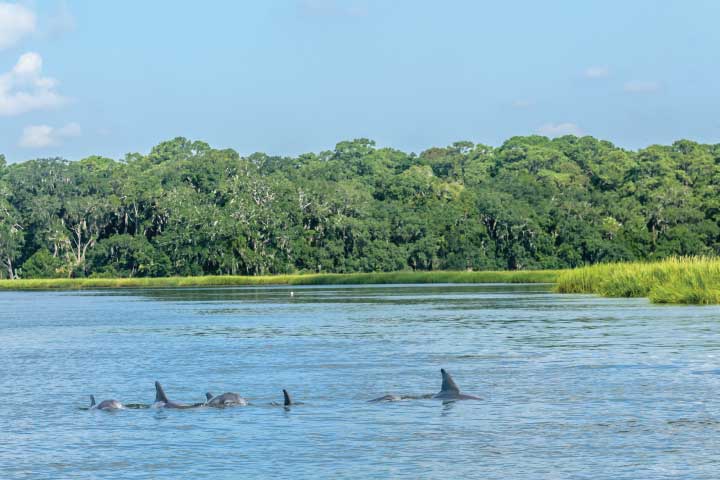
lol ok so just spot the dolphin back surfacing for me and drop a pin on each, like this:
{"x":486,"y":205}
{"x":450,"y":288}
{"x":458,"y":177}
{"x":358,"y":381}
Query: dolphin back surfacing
{"x":161,"y":400}
{"x":105,"y":404}
{"x":449,"y":390}
{"x":227,"y":399}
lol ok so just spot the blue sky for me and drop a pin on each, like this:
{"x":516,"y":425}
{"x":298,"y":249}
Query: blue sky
{"x":82,"y":77}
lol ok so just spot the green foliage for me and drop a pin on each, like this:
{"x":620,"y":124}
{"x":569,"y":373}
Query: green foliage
{"x":42,"y":264}
{"x":11,"y":236}
{"x":186,"y":209}
{"x":127,"y":256}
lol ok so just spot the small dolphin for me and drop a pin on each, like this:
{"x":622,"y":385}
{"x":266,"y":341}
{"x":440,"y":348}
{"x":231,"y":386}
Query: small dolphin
{"x":227,"y":399}
{"x":450,"y":391}
{"x":105,"y":404}
{"x":287,"y":401}
{"x":161,"y":400}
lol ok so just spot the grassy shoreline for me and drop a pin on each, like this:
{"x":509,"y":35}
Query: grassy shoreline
{"x":531,"y":276}
{"x":679,"y":280}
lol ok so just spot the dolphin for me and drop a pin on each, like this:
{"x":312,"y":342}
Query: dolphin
{"x":450,"y":391}
{"x":287,"y":400}
{"x":161,"y":400}
{"x":227,"y":399}
{"x":105,"y":404}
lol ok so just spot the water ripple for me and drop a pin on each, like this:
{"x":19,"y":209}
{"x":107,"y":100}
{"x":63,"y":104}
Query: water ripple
{"x":572,"y":386}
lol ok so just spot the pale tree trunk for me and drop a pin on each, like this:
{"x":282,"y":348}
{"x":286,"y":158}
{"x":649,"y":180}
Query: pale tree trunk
{"x":11,"y":274}
{"x":78,"y":242}
{"x":79,"y":250}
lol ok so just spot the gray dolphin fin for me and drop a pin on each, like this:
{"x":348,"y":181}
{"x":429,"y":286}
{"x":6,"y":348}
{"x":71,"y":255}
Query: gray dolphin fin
{"x":288,"y":400}
{"x":208,"y":395}
{"x":448,"y":384}
{"x":92,"y":401}
{"x":160,"y":393}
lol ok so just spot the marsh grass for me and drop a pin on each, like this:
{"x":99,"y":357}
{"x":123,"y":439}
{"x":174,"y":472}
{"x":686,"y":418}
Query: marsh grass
{"x":532,"y":276}
{"x":679,"y":280}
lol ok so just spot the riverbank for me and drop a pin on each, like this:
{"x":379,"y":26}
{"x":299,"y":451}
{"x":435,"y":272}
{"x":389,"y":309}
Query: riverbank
{"x":682,"y":280}
{"x":531,"y":276}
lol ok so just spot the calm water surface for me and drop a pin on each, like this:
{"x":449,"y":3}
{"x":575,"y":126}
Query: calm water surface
{"x":573,"y":386}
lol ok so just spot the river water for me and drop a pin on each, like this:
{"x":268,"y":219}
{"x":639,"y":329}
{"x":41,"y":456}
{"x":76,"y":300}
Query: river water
{"x":573,"y":386}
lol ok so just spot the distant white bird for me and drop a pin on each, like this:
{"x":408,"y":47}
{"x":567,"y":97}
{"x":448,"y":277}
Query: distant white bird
{"x":292,"y":294}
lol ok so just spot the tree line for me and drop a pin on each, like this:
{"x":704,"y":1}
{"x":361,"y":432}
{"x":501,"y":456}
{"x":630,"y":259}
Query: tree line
{"x":188,"y":209}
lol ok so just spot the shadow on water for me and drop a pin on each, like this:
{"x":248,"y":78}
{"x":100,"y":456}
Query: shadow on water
{"x":325,"y":294}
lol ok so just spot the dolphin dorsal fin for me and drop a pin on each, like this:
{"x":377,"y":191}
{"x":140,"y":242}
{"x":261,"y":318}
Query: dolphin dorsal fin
{"x":208,"y":396}
{"x":92,"y":401}
{"x":448,"y":384}
{"x":288,"y":400}
{"x":160,"y":393}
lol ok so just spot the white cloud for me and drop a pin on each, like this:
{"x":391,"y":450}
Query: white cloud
{"x":596,"y":72}
{"x":560,"y":129}
{"x":24,"y":89}
{"x":16,"y":22}
{"x":36,"y":136}
{"x":29,"y":65}
{"x":641,"y":87}
{"x":42,"y":136}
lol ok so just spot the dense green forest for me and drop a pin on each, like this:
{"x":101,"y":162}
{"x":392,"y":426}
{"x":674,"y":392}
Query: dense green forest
{"x":189,"y":209}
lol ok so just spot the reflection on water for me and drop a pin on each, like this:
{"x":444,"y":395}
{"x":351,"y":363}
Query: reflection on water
{"x":572,"y":386}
